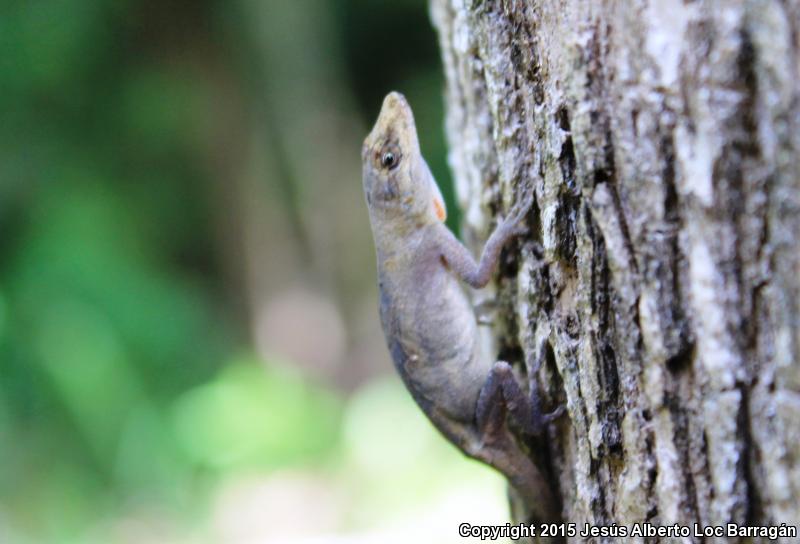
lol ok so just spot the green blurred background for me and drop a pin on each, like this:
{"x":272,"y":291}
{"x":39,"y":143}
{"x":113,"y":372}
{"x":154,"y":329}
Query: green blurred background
{"x":189,"y":339}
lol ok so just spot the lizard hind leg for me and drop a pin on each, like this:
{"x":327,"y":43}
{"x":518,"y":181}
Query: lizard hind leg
{"x":502,"y":401}
{"x":502,"y":398}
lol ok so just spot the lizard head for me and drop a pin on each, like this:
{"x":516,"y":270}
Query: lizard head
{"x":397,"y":181}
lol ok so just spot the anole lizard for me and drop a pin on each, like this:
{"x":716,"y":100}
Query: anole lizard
{"x":429,"y":324}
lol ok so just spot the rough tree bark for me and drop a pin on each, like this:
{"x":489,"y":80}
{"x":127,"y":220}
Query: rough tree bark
{"x":662,"y":140}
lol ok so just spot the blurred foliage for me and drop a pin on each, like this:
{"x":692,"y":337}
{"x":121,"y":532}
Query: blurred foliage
{"x":126,"y":372}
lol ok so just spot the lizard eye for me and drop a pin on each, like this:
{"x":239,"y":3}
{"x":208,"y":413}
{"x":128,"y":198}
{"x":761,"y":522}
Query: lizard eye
{"x":389,"y":160}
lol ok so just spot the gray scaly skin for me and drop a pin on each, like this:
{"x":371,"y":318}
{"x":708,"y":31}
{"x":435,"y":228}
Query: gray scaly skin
{"x":428,"y":321}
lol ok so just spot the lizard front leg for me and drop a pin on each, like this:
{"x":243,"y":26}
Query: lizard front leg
{"x":462,"y":263}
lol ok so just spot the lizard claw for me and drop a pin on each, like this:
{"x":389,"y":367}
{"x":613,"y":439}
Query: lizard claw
{"x":520,"y":209}
{"x":555,"y":414}
{"x":519,"y":229}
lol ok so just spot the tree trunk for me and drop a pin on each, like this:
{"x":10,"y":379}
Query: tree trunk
{"x":662,"y":265}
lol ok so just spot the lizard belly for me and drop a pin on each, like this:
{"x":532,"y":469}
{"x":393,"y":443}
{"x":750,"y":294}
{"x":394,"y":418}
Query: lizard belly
{"x":438,"y":332}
